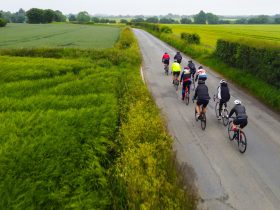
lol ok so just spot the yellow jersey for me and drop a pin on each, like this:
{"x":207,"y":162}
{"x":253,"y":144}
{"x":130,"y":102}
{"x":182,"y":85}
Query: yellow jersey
{"x":176,"y":67}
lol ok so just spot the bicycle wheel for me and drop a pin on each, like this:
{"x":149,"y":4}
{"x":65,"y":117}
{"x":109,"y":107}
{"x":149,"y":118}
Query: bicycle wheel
{"x":217,"y":109}
{"x":187,"y":98}
{"x":242,"y":142}
{"x":225,"y":117}
{"x":230,"y":131}
{"x":203,"y":121}
{"x":193,"y":85}
{"x":176,"y":84}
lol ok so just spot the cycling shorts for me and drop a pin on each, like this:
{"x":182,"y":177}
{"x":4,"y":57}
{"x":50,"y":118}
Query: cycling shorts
{"x":166,"y":62}
{"x":176,"y":73}
{"x":241,"y":122}
{"x":202,"y":102}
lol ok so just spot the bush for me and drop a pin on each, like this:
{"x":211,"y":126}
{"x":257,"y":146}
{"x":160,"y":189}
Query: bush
{"x":190,"y":38}
{"x":259,"y":60}
{"x":166,"y":29}
{"x":3,"y":22}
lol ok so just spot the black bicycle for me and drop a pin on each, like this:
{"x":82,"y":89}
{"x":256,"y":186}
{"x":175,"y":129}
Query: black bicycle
{"x":202,"y":117}
{"x":224,"y":112}
{"x":176,"y":82}
{"x":193,"y":81}
{"x":187,"y":96}
{"x":237,"y":135}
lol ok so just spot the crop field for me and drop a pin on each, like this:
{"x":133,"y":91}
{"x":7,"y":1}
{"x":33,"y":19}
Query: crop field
{"x":79,"y":130}
{"x":58,"y":35}
{"x":210,"y":33}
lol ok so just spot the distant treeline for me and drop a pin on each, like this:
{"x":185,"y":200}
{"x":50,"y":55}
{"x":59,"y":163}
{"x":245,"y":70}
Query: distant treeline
{"x":36,"y":15}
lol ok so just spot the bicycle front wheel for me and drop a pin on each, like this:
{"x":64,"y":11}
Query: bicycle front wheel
{"x":225,"y":117}
{"x":203,"y":122}
{"x":242,"y":142}
{"x":217,"y":109}
{"x":230,"y":131}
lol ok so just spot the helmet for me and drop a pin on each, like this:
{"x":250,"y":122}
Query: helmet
{"x":201,"y":67}
{"x":178,"y":52}
{"x":237,"y":101}
{"x":187,"y":67}
{"x":200,"y":81}
{"x":175,"y":60}
{"x":190,"y":61}
{"x":165,"y":53}
{"x":223,"y":81}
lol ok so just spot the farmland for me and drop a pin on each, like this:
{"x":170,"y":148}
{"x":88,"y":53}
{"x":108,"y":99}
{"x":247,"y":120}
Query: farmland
{"x":79,"y":130}
{"x":57,"y":35}
{"x":211,"y":33}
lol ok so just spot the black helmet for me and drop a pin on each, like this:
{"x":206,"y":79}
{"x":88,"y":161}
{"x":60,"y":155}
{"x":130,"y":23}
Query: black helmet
{"x":201,"y":82}
{"x":201,"y":67}
{"x":190,"y":61}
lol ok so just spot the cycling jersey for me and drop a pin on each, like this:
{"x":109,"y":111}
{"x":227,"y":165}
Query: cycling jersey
{"x":186,"y":75}
{"x":201,"y":73}
{"x":178,"y":57}
{"x":223,"y":92}
{"x":240,"y":112}
{"x":176,"y":67}
{"x":165,"y":57}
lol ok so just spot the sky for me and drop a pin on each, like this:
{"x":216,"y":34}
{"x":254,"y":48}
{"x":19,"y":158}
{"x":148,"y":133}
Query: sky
{"x":149,"y":7}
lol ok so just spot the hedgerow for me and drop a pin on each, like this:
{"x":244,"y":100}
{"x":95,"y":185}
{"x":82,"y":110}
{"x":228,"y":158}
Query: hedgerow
{"x":261,"y":61}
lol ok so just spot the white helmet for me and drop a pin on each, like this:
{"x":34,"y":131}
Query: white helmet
{"x":223,"y":81}
{"x":237,"y":101}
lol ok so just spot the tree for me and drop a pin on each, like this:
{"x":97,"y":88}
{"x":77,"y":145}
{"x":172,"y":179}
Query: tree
{"x":35,"y":15}
{"x":59,"y":17}
{"x":152,"y":19}
{"x":18,"y":17}
{"x":167,"y":20}
{"x":186,"y":21}
{"x":277,"y":20}
{"x":83,"y":17}
{"x":212,"y":19}
{"x":48,"y":16}
{"x":261,"y":19}
{"x":200,"y":18}
{"x":241,"y":21}
{"x":72,"y":17}
{"x":137,"y":20}
{"x":123,"y":21}
{"x":95,"y":19}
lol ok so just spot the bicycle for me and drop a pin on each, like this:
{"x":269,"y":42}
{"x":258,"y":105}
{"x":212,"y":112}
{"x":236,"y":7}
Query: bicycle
{"x":224,"y":112}
{"x":176,"y":82}
{"x":166,"y":69}
{"x":202,"y":119}
{"x":187,"y":96}
{"x":239,"y":136}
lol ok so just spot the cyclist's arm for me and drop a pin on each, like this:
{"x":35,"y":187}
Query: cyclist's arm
{"x":231,"y":112}
{"x":195,"y":94}
{"x":219,"y":92}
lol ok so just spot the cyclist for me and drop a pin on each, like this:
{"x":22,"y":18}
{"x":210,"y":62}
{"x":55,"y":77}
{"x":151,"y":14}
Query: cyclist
{"x":223,"y":95}
{"x":241,"y":116}
{"x":202,"y":95}
{"x":192,"y":68}
{"x":201,"y":74}
{"x":178,"y":57}
{"x":176,"y":69}
{"x":187,"y":80}
{"x":165,"y":58}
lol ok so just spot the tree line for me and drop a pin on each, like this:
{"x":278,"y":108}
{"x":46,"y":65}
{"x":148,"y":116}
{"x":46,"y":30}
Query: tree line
{"x":36,"y":15}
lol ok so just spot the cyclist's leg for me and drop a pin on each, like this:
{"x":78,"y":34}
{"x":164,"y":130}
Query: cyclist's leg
{"x":221,"y":106}
{"x":184,"y":90}
{"x":243,"y":123}
{"x":198,"y":107}
{"x":205,"y":103}
{"x":189,"y":82}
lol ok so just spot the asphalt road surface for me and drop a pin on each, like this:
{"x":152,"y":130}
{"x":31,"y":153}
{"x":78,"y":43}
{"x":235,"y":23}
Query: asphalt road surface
{"x":225,"y":178}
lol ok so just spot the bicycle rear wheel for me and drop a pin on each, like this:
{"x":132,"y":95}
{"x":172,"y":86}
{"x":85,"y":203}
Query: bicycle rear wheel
{"x":242,"y":142}
{"x":176,"y":84}
{"x":217,"y":109}
{"x":203,"y":121}
{"x":187,"y":98}
{"x":230,"y":131}
{"x":225,"y":117}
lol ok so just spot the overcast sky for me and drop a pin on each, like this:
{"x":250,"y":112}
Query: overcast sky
{"x":150,"y":7}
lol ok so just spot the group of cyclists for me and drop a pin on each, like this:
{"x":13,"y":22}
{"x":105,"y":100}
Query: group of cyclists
{"x":191,"y":75}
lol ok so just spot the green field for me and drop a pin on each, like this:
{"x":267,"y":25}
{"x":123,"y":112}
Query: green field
{"x":57,"y":35}
{"x":79,"y":130}
{"x":209,"y":34}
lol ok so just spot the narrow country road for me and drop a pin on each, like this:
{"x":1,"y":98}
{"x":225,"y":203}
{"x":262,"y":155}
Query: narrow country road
{"x":225,"y":178}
